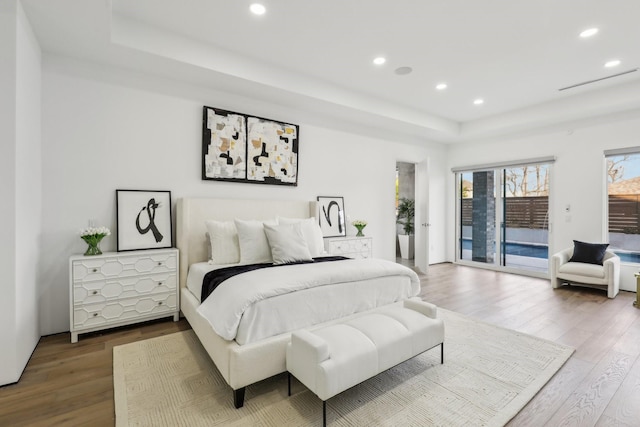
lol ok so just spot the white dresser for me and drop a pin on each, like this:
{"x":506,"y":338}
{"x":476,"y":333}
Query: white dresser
{"x":349,"y":246}
{"x":120,"y":288}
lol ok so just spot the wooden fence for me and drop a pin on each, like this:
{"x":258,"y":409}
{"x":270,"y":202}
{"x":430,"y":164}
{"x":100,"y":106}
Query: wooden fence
{"x":522,"y":212}
{"x":531,"y":212}
{"x":623,"y":213}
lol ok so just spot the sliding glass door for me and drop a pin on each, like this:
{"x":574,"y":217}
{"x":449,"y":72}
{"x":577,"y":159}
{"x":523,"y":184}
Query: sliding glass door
{"x":524,"y":236}
{"x":508,"y":206}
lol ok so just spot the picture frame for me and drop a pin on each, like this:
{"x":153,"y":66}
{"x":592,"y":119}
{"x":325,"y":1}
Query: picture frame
{"x":143,"y":220}
{"x":238,"y":147}
{"x":331,"y":216}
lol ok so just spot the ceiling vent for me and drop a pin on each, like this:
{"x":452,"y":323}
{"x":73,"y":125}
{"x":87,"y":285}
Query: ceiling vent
{"x":600,"y":79}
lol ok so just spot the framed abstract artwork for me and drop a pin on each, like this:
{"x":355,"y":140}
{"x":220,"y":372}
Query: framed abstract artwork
{"x":143,"y":220}
{"x":331,"y":216}
{"x":242,"y":148}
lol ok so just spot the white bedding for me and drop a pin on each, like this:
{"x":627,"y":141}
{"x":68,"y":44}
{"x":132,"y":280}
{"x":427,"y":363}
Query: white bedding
{"x":262,"y":303}
{"x":196,"y":275}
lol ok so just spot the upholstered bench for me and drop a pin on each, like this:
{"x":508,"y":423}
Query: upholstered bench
{"x":331,"y":359}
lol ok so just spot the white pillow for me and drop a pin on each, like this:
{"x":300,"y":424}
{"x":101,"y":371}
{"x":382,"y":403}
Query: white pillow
{"x":311,"y":232}
{"x":254,"y":247}
{"x":223,"y":236}
{"x":287,"y":243}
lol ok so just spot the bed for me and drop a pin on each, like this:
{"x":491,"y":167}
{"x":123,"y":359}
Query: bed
{"x":245,"y":361}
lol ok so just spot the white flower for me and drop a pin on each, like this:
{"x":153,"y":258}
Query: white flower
{"x":359,"y":223}
{"x":95,"y":231}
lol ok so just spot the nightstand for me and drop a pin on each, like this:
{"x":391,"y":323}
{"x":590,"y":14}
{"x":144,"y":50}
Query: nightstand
{"x":349,"y":246}
{"x":121,"y":288}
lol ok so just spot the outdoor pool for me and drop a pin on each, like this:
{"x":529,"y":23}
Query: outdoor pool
{"x":628,"y":257}
{"x":531,"y":250}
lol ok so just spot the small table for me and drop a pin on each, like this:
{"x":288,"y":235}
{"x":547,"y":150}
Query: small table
{"x":636,"y":303}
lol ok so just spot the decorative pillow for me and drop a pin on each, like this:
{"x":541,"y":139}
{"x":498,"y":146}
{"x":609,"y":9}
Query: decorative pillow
{"x":254,"y":246}
{"x":224,"y":244}
{"x":311,"y":232}
{"x":287,"y":243}
{"x":590,"y":253}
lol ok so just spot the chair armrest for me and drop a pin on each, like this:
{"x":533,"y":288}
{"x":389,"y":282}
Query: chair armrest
{"x":557,"y":260}
{"x":611,"y":265}
{"x":609,"y":254}
{"x":563,"y":256}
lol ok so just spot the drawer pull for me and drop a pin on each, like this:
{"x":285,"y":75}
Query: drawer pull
{"x":159,"y":283}
{"x":94,"y":292}
{"x":95,"y":270}
{"x":159,"y":302}
{"x":159,"y":263}
{"x":95,"y":314}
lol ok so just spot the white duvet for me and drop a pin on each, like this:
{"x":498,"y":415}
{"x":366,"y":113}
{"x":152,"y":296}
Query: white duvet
{"x":262,"y":303}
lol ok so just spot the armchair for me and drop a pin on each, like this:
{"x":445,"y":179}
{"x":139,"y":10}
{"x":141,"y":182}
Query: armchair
{"x":605,"y":276}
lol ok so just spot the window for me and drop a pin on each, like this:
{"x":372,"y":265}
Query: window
{"x":623,"y":192}
{"x":503,"y":217}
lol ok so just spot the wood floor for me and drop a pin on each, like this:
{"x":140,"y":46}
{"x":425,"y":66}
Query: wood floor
{"x":600,"y":384}
{"x":68,"y":384}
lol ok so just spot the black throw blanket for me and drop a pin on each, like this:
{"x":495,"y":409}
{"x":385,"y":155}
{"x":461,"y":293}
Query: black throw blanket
{"x":214,"y":278}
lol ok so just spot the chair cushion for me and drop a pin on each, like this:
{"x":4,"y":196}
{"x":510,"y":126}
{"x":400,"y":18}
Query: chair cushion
{"x":582,"y":269}
{"x":589,"y":253}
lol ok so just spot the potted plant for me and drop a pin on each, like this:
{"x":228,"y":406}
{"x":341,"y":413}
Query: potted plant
{"x":406,"y":213}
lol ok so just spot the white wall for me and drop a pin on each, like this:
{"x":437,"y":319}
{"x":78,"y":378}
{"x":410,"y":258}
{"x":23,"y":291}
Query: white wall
{"x":106,"y":129}
{"x":20,"y":214}
{"x":28,"y":186}
{"x":7,"y":192}
{"x":577,"y":177}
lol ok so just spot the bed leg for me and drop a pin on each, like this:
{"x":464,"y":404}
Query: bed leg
{"x":289,"y":383}
{"x":442,"y":353}
{"x":238,"y":397}
{"x":324,"y":413}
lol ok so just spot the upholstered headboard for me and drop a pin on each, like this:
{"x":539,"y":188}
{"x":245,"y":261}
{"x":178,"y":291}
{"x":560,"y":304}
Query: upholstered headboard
{"x":191,"y":215}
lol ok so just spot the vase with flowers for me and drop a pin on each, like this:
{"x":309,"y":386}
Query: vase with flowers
{"x":93,"y":236}
{"x":359,"y":225}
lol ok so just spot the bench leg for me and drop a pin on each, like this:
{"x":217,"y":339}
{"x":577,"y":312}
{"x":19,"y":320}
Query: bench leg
{"x":289,"y":383}
{"x":238,"y":397}
{"x":324,"y":413}
{"x":442,"y":353}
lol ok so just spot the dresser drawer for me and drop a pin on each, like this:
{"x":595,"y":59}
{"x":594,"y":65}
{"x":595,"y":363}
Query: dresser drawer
{"x":91,"y":292}
{"x":121,"y":266}
{"x":92,"y":315}
{"x":350,"y":247}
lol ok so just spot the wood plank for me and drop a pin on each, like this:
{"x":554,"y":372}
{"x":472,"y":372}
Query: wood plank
{"x":590,"y":399}
{"x":548,"y":400}
{"x":624,"y":408}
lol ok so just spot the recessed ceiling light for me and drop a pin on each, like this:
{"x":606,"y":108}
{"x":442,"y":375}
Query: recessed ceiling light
{"x":257,"y":9}
{"x":612,"y":63}
{"x":588,"y":33}
{"x":379,"y":60}
{"x":441,"y":86}
{"x":478,"y":101}
{"x":401,"y":71}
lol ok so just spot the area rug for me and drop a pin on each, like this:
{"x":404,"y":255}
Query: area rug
{"x":489,"y":375}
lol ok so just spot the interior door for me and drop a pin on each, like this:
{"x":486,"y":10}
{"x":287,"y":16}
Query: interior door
{"x":421,"y":251}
